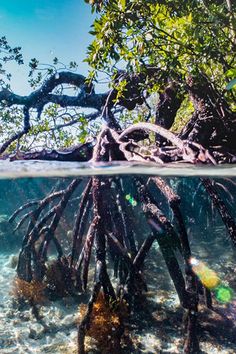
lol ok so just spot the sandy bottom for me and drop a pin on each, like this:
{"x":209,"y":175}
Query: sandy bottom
{"x":158,"y":328}
{"x":19,"y":330}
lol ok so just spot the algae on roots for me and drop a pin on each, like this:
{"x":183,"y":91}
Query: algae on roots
{"x":107,"y":323}
{"x":30,"y":291}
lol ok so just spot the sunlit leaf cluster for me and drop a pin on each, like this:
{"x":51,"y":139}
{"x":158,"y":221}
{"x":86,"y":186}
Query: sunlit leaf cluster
{"x":177,"y":37}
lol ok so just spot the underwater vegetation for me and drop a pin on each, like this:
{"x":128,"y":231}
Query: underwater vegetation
{"x":33,"y":292}
{"x":107,"y":323}
{"x":54,"y":285}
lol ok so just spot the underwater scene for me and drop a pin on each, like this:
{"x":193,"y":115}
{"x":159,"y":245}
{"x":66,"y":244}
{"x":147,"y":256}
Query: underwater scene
{"x":106,"y":262}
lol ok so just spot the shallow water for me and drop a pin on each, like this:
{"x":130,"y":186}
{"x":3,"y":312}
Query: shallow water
{"x":157,"y":325}
{"x":20,"y":169}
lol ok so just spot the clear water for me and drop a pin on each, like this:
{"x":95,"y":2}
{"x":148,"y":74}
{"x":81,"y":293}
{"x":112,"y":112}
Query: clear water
{"x":158,"y":326}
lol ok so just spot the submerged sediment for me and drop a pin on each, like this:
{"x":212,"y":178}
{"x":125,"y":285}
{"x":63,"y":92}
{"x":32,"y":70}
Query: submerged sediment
{"x":157,"y":327}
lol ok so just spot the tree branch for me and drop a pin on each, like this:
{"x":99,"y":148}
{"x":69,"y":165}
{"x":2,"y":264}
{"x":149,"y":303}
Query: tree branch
{"x":22,"y":132}
{"x":39,"y":98}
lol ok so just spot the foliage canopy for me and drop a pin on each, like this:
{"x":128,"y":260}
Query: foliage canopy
{"x":175,"y":39}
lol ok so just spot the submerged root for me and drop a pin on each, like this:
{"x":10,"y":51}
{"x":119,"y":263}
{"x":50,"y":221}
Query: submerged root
{"x":103,"y":206}
{"x":57,"y":279}
{"x":106,"y":324}
{"x":56,"y":283}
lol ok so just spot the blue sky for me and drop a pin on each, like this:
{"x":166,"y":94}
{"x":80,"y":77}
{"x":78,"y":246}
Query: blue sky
{"x":45,"y":29}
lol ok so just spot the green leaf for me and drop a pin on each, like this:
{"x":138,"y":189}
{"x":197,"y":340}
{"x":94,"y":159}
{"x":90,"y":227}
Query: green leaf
{"x":122,"y":5}
{"x":231,"y":84}
{"x":231,"y":73}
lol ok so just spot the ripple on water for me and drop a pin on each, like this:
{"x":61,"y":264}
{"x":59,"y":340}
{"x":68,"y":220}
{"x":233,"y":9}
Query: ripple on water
{"x":36,"y":168}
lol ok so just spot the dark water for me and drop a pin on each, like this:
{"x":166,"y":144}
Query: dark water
{"x":157,"y":326}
